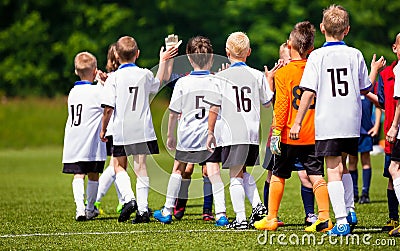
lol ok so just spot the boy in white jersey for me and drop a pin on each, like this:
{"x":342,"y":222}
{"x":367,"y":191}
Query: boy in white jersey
{"x":237,"y":101}
{"x":337,"y":75}
{"x":187,"y":105}
{"x":83,"y":151}
{"x":127,"y":94}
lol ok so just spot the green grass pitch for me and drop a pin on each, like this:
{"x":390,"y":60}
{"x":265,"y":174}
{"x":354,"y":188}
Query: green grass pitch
{"x":37,"y":212}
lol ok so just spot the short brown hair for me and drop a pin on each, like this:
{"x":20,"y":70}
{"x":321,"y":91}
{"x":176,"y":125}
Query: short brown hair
{"x":238,"y":44}
{"x":302,"y":37}
{"x":85,"y":63}
{"x":199,"y":50}
{"x":126,"y":48}
{"x":335,"y":20}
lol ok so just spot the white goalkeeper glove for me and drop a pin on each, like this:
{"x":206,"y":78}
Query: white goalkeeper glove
{"x":172,"y":41}
{"x":275,"y":144}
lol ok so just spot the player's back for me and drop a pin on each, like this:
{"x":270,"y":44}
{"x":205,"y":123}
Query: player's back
{"x":287,"y":101}
{"x":128,"y":91}
{"x":242,"y":92}
{"x":337,"y":73}
{"x":187,"y":100}
{"x":81,"y":140}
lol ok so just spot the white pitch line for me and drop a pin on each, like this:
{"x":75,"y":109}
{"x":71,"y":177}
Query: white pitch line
{"x":158,"y":231}
{"x":127,"y":232}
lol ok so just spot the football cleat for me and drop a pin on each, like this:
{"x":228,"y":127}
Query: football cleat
{"x":339,"y":230}
{"x":119,"y":207}
{"x":265,"y":224}
{"x":80,"y":216}
{"x":159,"y":216}
{"x":179,"y":208}
{"x":91,"y":214}
{"x":352,"y":219}
{"x":222,"y":221}
{"x":320,"y":226}
{"x":258,"y":213}
{"x":364,"y":199}
{"x":310,"y":219}
{"x":142,"y":217}
{"x":390,"y":224}
{"x":395,"y":232}
{"x":97,"y":205}
{"x":207,"y":214}
{"x":127,"y":210}
{"x":238,"y":225}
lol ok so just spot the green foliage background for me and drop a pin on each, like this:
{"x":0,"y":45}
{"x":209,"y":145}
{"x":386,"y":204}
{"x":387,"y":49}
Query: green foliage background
{"x":38,"y":39}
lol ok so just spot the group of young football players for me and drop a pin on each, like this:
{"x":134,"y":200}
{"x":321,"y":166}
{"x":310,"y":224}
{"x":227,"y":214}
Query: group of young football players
{"x":317,"y":96}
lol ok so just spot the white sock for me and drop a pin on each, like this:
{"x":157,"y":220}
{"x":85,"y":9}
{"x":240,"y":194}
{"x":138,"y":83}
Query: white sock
{"x":78,"y":189}
{"x":105,"y":181}
{"x":396,"y":187}
{"x":336,"y":196}
{"x":348,"y":192}
{"x":207,"y":188}
{"x":184,"y":190}
{"x":120,"y":201}
{"x":123,"y":182}
{"x":250,"y":188}
{"x":142,"y":193}
{"x":91,"y":193}
{"x":174,"y":185}
{"x":237,"y":197}
{"x":219,"y":198}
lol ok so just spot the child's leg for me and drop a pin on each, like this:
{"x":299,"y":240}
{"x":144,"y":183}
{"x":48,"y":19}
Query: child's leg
{"x":122,"y":179}
{"x":320,"y":189}
{"x":91,"y":190}
{"x":395,"y":173}
{"x":367,"y":172}
{"x":106,"y":179}
{"x":266,"y":187}
{"x":174,"y":185}
{"x":218,"y":192}
{"x":335,"y":187}
{"x":207,"y":192}
{"x":307,"y":194}
{"x":250,"y":189}
{"x":78,"y":190}
{"x":348,"y":190}
{"x":186,"y":180}
{"x":236,"y":190}
{"x":353,"y":162}
{"x":276,"y":189}
{"x":142,"y":182}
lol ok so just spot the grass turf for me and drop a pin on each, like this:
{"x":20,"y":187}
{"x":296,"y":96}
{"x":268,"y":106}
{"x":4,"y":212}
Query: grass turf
{"x":37,"y":212}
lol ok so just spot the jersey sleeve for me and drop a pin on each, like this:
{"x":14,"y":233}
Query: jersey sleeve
{"x":266,"y":94}
{"x":154,"y":82}
{"x":396,"y":71}
{"x":175,"y":104}
{"x":214,"y":96}
{"x":109,"y":92}
{"x":309,"y":80}
{"x":365,"y":82}
{"x":281,"y":107}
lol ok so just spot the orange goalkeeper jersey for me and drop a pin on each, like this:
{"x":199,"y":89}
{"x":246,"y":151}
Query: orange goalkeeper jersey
{"x":287,"y":101}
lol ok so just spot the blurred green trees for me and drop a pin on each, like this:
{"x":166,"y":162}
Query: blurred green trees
{"x":38,"y":39}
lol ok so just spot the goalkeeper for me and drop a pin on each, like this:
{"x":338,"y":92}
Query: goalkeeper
{"x":288,"y":94}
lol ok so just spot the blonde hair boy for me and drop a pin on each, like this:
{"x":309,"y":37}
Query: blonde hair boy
{"x":85,"y":65}
{"x":238,"y":45}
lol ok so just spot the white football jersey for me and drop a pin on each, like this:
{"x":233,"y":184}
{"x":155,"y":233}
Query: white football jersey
{"x":128,"y":91}
{"x":240,"y":96}
{"x":336,"y":73}
{"x":187,"y":100}
{"x":396,"y":92}
{"x":81,"y":138}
